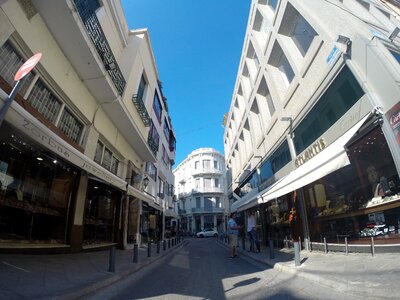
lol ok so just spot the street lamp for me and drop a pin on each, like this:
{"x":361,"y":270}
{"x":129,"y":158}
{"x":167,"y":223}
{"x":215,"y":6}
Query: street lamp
{"x":145,"y":182}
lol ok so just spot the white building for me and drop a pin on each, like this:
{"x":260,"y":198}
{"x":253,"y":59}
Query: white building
{"x":200,"y":188}
{"x":79,"y":140}
{"x":312,"y":138}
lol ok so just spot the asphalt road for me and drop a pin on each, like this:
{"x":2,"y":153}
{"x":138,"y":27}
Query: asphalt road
{"x":202,"y":270}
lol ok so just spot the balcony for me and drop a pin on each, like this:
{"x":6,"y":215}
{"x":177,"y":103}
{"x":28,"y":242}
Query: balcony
{"x":182,"y":211}
{"x":200,"y":210}
{"x":153,"y":144}
{"x":206,"y":171}
{"x":206,"y":190}
{"x":142,"y":110}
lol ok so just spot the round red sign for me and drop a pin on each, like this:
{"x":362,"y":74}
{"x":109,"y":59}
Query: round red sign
{"x":27,"y":66}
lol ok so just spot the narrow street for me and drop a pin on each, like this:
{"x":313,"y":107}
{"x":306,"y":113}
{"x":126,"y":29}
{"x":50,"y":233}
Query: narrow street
{"x":202,"y":270}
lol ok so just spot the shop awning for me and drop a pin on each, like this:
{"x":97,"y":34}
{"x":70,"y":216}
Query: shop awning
{"x":329,"y":160}
{"x":250,"y":199}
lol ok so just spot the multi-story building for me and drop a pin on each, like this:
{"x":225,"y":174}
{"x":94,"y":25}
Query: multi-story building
{"x":201,"y":191}
{"x":312,"y":141}
{"x":78,"y":143}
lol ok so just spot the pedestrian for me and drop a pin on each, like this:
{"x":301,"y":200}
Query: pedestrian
{"x":233,"y":232}
{"x":251,"y":231}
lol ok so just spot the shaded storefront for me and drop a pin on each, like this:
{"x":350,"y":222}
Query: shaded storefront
{"x":36,"y":191}
{"x":150,"y":223}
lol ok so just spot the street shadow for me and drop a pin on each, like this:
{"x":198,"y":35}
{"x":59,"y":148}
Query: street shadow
{"x":303,"y":260}
{"x":244,"y":283}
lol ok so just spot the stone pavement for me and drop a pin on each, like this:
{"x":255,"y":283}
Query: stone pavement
{"x":73,"y":276}
{"x":358,"y":274}
{"x":69,"y":276}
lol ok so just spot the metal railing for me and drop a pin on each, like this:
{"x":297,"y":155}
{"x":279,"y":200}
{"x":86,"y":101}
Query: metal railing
{"x":87,"y":12}
{"x":142,"y":110}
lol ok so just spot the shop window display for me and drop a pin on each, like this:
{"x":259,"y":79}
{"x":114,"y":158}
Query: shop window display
{"x":100,"y":213}
{"x":360,"y":200}
{"x":35,"y":191}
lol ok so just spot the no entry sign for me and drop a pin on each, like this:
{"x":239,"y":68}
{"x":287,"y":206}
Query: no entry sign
{"x":27,"y":66}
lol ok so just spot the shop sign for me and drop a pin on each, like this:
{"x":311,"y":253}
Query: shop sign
{"x":71,"y":155}
{"x":393,"y":116}
{"x":310,"y":152}
{"x":333,"y":56}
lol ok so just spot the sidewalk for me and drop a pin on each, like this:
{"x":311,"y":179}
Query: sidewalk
{"x":371,"y":277}
{"x":69,"y":276}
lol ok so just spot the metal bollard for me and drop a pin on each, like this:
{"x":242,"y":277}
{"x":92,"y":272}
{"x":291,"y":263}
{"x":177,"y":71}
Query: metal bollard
{"x":296,"y":254}
{"x":158,"y":247}
{"x":271,"y":249}
{"x":346,"y":245}
{"x":243,"y":242}
{"x":300,"y":243}
{"x":135,"y":253}
{"x":286,"y":242}
{"x":111,"y":261}
{"x":169,"y":243}
{"x":306,"y":244}
{"x":164,"y":245}
{"x":326,"y":245}
{"x":148,"y":249}
{"x":372,"y":246}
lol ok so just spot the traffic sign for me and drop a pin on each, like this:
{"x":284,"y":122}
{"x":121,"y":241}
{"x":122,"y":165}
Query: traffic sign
{"x":27,"y":66}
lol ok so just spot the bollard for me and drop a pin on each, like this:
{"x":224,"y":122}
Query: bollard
{"x":169,"y":243}
{"x":271,"y":249}
{"x":135,"y":253}
{"x":326,"y":245}
{"x":158,"y":247}
{"x":346,"y":246}
{"x":372,"y":246}
{"x":164,"y":245}
{"x":243,"y":242}
{"x":148,"y":249}
{"x":296,"y":254}
{"x":306,"y":244}
{"x":111,"y":261}
{"x":300,"y":243}
{"x":286,"y":242}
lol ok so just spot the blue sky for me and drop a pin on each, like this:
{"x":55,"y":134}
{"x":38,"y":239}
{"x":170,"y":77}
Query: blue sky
{"x":197,"y":46}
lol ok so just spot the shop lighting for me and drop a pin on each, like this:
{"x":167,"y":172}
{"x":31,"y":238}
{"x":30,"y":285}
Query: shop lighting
{"x":55,"y":161}
{"x":145,"y":182}
{"x":39,"y":158}
{"x":95,"y":187}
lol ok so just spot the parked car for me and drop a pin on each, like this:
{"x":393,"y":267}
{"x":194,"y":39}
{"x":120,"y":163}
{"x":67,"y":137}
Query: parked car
{"x":207,"y":233}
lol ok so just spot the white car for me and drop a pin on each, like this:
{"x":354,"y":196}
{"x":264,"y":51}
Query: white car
{"x":207,"y":233}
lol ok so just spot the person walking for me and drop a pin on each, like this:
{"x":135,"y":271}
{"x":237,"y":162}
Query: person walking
{"x":251,"y":231}
{"x":233,"y":232}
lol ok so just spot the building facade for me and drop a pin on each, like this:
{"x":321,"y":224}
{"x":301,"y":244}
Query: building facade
{"x":312,"y":135}
{"x":201,"y":191}
{"x":77,"y":139}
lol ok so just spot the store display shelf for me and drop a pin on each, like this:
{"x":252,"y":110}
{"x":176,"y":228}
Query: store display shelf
{"x":371,"y":208}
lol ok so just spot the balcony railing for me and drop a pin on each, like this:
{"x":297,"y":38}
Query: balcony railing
{"x":142,"y":110}
{"x":202,"y":190}
{"x":182,"y":211}
{"x":199,"y":171}
{"x":87,"y":11}
{"x":153,"y":143}
{"x":207,"y":210}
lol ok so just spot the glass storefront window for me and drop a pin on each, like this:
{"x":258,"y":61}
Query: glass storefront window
{"x":35,"y":191}
{"x":360,"y":200}
{"x":100,"y":213}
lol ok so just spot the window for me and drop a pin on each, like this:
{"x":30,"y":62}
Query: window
{"x":216,"y":182}
{"x":160,"y":188}
{"x":271,"y":3}
{"x":208,"y":204}
{"x":217,"y":202}
{"x":215,"y":164}
{"x":71,"y":126}
{"x":151,"y":170}
{"x":142,"y":87}
{"x":44,"y":101}
{"x":157,"y":107}
{"x":105,"y":157}
{"x":198,"y":202}
{"x":196,"y":165}
{"x":207,"y":182}
{"x":165,"y":156}
{"x":396,"y":55}
{"x":153,"y":139}
{"x":166,"y":130}
{"x":298,"y":29}
{"x":280,"y":61}
{"x":197,"y":183}
{"x":342,"y":94}
{"x":10,"y":62}
{"x":206,"y":164}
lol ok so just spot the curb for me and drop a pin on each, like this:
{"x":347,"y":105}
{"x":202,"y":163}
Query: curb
{"x":91,"y":289}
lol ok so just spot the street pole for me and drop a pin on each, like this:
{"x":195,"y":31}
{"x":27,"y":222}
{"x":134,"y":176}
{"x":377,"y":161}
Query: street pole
{"x":9,"y":100}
